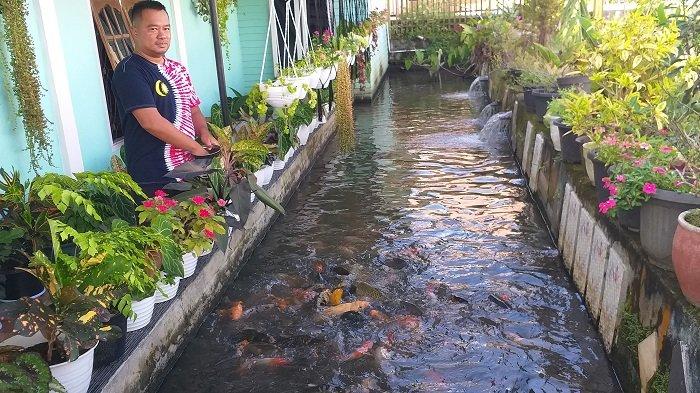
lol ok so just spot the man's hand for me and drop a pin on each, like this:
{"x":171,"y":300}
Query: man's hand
{"x":208,"y":139}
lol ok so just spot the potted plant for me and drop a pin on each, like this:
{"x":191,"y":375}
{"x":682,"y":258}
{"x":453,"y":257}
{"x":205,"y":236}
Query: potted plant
{"x":23,"y":371}
{"x":256,"y":131}
{"x":71,"y":322}
{"x":686,"y":254}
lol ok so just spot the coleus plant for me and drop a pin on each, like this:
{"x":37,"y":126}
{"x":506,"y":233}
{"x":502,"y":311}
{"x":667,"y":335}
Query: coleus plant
{"x":22,"y":371}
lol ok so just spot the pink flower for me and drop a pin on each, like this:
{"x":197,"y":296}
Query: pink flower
{"x":148,"y":204}
{"x":664,"y":131}
{"x":649,"y":188}
{"x":606,"y":182}
{"x":209,"y":233}
{"x":204,"y":213}
{"x":162,"y":208}
{"x":198,"y":200}
{"x":666,"y":149}
{"x":678,"y":183}
{"x":170,"y":202}
{"x":613,"y":190}
{"x":161,"y":193}
{"x":221,"y":203}
{"x":659,"y":170}
{"x":605,"y":207}
{"x":644,"y":146}
{"x":638,"y":163}
{"x":620,"y":178}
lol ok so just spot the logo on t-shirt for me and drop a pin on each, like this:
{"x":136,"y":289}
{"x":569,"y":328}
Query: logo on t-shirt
{"x":161,"y":88}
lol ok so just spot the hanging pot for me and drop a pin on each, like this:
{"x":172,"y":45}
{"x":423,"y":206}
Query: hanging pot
{"x":18,"y":284}
{"x":630,"y":219}
{"x":264,"y":175}
{"x":579,"y":81}
{"x":280,"y":96}
{"x":111,"y":350}
{"x":570,"y":150}
{"x":75,"y":376}
{"x":686,"y":258}
{"x":278,"y":165}
{"x":542,"y":98}
{"x":189,"y":261}
{"x":166,"y":292}
{"x":303,"y":135}
{"x":144,"y":312}
{"x":659,"y":219}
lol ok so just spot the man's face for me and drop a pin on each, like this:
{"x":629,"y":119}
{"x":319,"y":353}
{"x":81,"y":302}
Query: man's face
{"x":152,"y":32}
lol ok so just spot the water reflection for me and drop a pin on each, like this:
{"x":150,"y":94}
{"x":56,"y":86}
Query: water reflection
{"x":451,"y":281}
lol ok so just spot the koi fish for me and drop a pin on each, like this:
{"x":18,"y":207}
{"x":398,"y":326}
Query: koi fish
{"x":408,"y":322}
{"x":361,"y":351}
{"x":378,"y":315}
{"x":236,"y":311}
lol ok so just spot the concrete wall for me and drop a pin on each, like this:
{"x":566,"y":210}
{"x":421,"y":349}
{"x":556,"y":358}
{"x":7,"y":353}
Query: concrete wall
{"x":379,"y":66}
{"x":644,"y":321}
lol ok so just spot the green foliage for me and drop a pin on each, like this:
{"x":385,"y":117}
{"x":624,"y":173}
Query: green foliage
{"x":541,"y":17}
{"x":631,"y":332}
{"x":660,"y":381}
{"x":257,"y":103}
{"x":693,"y":217}
{"x":237,"y":105}
{"x":251,"y":154}
{"x":25,"y":372}
{"x":224,"y":8}
{"x":26,"y":83}
{"x":286,"y":133}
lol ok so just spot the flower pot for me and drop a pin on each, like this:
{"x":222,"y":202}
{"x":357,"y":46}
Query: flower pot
{"x":18,"y":284}
{"x":210,"y":249}
{"x":580,"y":81}
{"x":571,"y":151}
{"x":278,"y":165}
{"x":659,"y":217}
{"x":264,"y":175}
{"x":111,"y":350}
{"x":280,"y":96}
{"x":554,"y":134}
{"x":289,"y":155}
{"x":600,"y":171}
{"x":166,"y":292}
{"x":686,"y":258}
{"x":542,"y":99}
{"x":587,"y":151}
{"x":324,"y":76}
{"x":529,"y":98}
{"x":144,"y":311}
{"x":189,"y":260}
{"x":303,"y":135}
{"x":75,"y":376}
{"x":630,"y":219}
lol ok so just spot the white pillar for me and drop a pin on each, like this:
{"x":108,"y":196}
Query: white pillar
{"x":60,"y":88}
{"x":180,"y":31}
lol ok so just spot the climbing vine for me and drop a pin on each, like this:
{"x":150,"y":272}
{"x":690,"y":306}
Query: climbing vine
{"x":223,"y":9}
{"x":25,"y":81}
{"x":344,"y":110}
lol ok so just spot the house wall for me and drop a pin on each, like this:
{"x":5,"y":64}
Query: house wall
{"x":253,"y":19}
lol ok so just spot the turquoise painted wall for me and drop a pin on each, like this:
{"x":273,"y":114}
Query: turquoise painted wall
{"x":253,"y":19}
{"x":12,"y":137}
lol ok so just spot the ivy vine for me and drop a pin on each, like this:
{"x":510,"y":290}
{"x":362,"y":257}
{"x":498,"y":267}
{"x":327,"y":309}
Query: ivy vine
{"x":25,"y":80}
{"x":223,"y":9}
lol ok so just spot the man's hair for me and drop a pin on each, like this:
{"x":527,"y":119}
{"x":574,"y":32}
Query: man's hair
{"x":138,"y":8}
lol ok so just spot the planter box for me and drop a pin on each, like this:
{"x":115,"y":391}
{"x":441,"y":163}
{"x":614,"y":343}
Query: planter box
{"x":686,"y":259}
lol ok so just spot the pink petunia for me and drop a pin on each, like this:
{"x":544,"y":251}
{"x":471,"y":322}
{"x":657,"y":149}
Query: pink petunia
{"x":161,"y":193}
{"x":659,"y":170}
{"x":620,"y":178}
{"x":606,"y":181}
{"x":605,"y":207}
{"x":649,"y":188}
{"x":221,"y":203}
{"x":198,"y":200}
{"x":148,"y":204}
{"x":204,"y":213}
{"x":666,"y":149}
{"x":209,"y":233}
{"x":613,"y":190}
{"x":162,"y":208}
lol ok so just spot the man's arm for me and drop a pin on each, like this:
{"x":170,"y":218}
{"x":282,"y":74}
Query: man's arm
{"x":161,"y":128}
{"x":201,"y":129}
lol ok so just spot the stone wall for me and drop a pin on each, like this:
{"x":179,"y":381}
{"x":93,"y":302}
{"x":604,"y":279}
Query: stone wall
{"x":148,"y":362}
{"x":651,"y":333}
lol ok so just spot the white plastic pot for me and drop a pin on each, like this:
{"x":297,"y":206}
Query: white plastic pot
{"x":331,"y":76}
{"x":264,"y":175}
{"x":303,"y":134}
{"x":189,"y":260}
{"x":144,"y":311}
{"x":75,"y":376}
{"x":554,"y":133}
{"x":278,"y":165}
{"x":351,"y":59}
{"x":280,"y":96}
{"x":166,"y":292}
{"x":289,"y":155}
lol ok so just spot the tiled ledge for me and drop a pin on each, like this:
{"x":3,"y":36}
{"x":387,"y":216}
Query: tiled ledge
{"x":149,"y":351}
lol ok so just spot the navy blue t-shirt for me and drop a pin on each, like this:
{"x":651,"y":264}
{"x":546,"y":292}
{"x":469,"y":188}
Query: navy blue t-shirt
{"x":138,"y":83}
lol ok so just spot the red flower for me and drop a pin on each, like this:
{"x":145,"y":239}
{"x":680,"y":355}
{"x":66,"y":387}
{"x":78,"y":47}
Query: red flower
{"x":620,"y":178}
{"x":605,"y":207}
{"x":649,"y":188}
{"x":204,"y":213}
{"x":198,"y":200}
{"x":221,"y":203}
{"x":659,"y":170}
{"x":162,"y":208}
{"x":161,"y":193}
{"x":170,"y":202}
{"x":148,"y":204}
{"x":209,"y":233}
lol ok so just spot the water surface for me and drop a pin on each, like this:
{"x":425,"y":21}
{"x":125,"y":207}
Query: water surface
{"x":437,"y":232}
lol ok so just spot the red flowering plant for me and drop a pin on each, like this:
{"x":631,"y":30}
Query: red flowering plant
{"x":194,"y":222}
{"x":634,"y":180}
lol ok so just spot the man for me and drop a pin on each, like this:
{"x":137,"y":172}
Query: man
{"x":158,"y":107}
